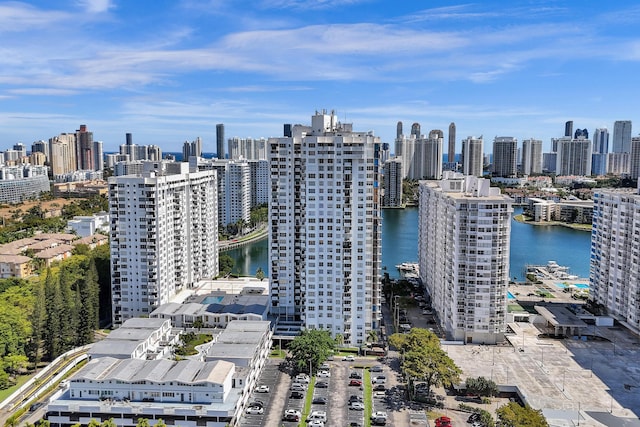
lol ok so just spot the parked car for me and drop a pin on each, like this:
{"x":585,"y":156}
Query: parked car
{"x":322,"y":384}
{"x":357,"y":406}
{"x":354,"y":398}
{"x":318,"y":415}
{"x":255,"y":410}
{"x":378,"y":387}
{"x":381,"y":379}
{"x":302,"y":378}
{"x":296,"y":395}
{"x":379,"y":418}
{"x":355,"y":375}
{"x":348,"y":359}
{"x":324,"y":374}
{"x":376,"y":368}
{"x":357,"y":383}
{"x":319,"y":400}
{"x":325,"y":367}
{"x":291,"y":415}
{"x":315,"y":423}
{"x":257,"y":402}
{"x":443,"y":422}
{"x":262,"y":389}
{"x":473,"y":417}
{"x":298,"y":387}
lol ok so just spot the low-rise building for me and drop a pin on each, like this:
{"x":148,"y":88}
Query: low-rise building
{"x":87,"y":225}
{"x":15,"y":266}
{"x":137,"y":338}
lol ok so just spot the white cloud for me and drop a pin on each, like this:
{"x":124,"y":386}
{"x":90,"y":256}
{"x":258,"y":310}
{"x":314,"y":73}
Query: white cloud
{"x":95,"y":6}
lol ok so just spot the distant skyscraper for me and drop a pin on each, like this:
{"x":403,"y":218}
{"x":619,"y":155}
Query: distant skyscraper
{"x":531,"y":156}
{"x":405,"y":149}
{"x":427,"y":157}
{"x":98,"y":156}
{"x":622,"y":136}
{"x":634,"y":162}
{"x":615,"y":261}
{"x":451,"y":157}
{"x":581,"y":133}
{"x":465,"y":265}
{"x":191,"y":149}
{"x":62,"y":149}
{"x":600,"y":151}
{"x":415,"y":130}
{"x":574,"y":157}
{"x":325,"y":225}
{"x":84,"y":149}
{"x":40,"y":147}
{"x":220,"y":141}
{"x":568,"y":128}
{"x":247,"y":148}
{"x":472,"y":156}
{"x":399,"y":130}
{"x":392,"y":183}
{"x":618,"y":163}
{"x":164,"y":236}
{"x":505,"y":156}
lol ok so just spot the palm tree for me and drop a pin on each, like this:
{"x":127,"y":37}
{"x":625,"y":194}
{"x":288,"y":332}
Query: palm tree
{"x":372,"y":336}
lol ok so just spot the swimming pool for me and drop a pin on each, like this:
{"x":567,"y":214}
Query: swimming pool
{"x":577,"y":285}
{"x":212,"y":299}
{"x":510,"y":295}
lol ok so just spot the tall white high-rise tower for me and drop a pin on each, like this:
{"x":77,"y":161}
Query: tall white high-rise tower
{"x":164,"y":236}
{"x":325,"y":231}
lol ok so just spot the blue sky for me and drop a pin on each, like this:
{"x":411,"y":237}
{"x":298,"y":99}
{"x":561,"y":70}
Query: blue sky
{"x":170,"y":70}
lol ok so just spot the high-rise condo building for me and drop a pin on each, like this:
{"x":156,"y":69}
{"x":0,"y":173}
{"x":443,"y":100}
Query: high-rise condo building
{"x":574,"y":156}
{"x":618,"y":163}
{"x":234,"y":190}
{"x":451,"y":156}
{"x":472,"y":156}
{"x":615,"y":261}
{"x":634,"y":161}
{"x":463,"y":252}
{"x":531,"y":156}
{"x":505,"y":156}
{"x":600,"y":151}
{"x":427,"y":157}
{"x":392,"y":173}
{"x":622,"y":136}
{"x":247,"y":149}
{"x":164,"y":236}
{"x":191,"y":149}
{"x":415,"y":130}
{"x":325,"y":231}
{"x":405,"y":150}
{"x":568,"y":128}
{"x":220,"y":141}
{"x":63,"y":154}
{"x":84,"y":149}
{"x":398,"y":130}
{"x":260,"y":180}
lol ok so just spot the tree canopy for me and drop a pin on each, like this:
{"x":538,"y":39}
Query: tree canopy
{"x":424,"y":360}
{"x":311,"y":348}
{"x":481,"y":386}
{"x":514,"y":415}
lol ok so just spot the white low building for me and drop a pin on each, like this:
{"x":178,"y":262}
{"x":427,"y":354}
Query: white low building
{"x":88,"y":225}
{"x":137,"y":338}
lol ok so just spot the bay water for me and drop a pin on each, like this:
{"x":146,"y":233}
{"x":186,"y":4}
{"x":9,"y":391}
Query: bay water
{"x":530,"y":244}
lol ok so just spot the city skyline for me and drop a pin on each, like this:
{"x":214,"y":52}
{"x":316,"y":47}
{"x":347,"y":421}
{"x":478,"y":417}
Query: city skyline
{"x":184,"y":67}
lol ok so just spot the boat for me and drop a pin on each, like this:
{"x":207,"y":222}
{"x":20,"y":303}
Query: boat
{"x":408,"y":267}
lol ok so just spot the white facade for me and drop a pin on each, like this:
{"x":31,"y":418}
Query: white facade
{"x":405,"y":150}
{"x":505,"y":156}
{"x":247,"y":148}
{"x":472,"y":156}
{"x":85,"y":226}
{"x":325,"y":247}
{"x":234,"y":189}
{"x":260,"y":178}
{"x":634,"y":160}
{"x":574,"y":157}
{"x":622,"y":136}
{"x":463,"y":252}
{"x":531,"y":156}
{"x":618,"y":163}
{"x":615,"y":261}
{"x":164,"y":236}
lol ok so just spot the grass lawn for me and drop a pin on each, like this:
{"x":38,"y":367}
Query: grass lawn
{"x":368,"y":388}
{"x":189,"y":347}
{"x":307,"y":402}
{"x":21,"y":380}
{"x":278,"y":353}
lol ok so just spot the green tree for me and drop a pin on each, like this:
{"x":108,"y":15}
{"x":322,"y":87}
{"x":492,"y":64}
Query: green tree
{"x":514,"y":415}
{"x":311,"y":348}
{"x":143,"y":422}
{"x":424,"y":360}
{"x":38,"y":319}
{"x":372,"y":335}
{"x":93,"y":423}
{"x":225,"y":263}
{"x":53,"y":305}
{"x":14,"y":363}
{"x":109,"y":423}
{"x":481,"y":386}
{"x":160,"y":423}
{"x":260,"y":274}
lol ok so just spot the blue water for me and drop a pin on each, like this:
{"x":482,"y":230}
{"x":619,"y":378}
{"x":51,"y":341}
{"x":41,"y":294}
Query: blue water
{"x":212,"y":300}
{"x":577,"y":285}
{"x":510,"y":295}
{"x":529,"y":245}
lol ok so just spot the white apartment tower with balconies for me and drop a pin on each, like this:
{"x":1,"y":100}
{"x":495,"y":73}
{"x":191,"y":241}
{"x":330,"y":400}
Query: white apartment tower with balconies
{"x":472,"y":156}
{"x":463,"y":253}
{"x":505,"y":156}
{"x":325,"y":231}
{"x":164,"y":236}
{"x":531,"y":156}
{"x":392,"y":196}
{"x":615,"y":262}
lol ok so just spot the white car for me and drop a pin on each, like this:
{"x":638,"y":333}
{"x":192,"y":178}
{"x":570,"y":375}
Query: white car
{"x":262,"y":389}
{"x":315,"y":423}
{"x":357,"y":406}
{"x":379,"y":414}
{"x":348,"y":359}
{"x":317,"y":416}
{"x":379,"y":380}
{"x":255,"y":410}
{"x":302,"y":378}
{"x":324,"y":374}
